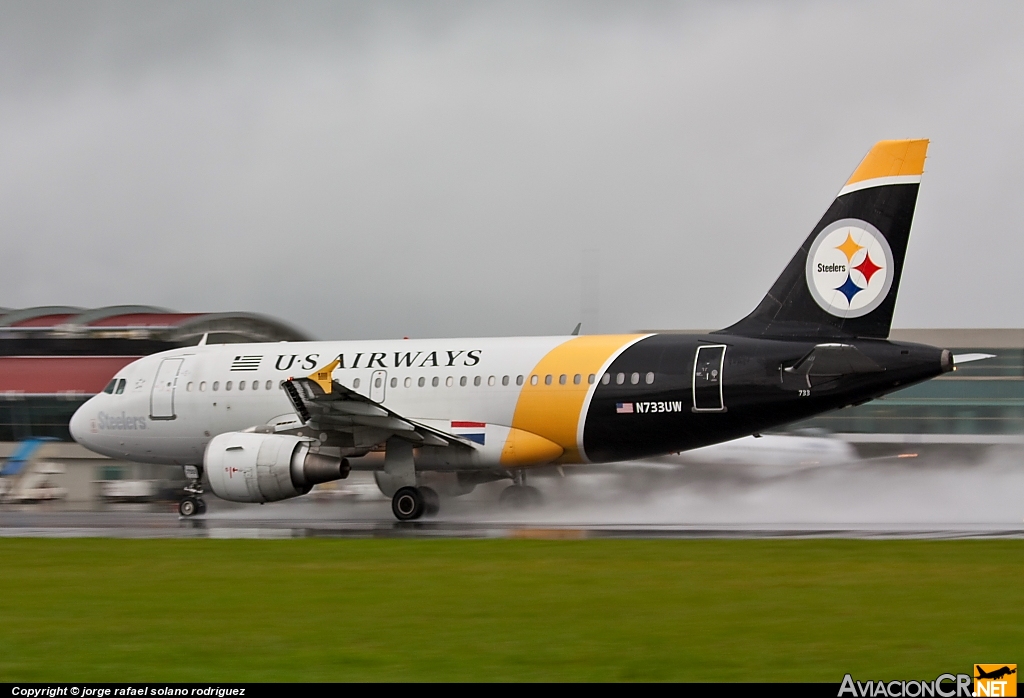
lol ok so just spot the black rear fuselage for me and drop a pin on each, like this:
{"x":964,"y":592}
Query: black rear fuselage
{"x":705,"y":389}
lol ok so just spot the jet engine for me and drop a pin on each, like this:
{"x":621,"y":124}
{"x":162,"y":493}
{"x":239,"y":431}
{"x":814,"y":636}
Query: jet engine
{"x":251,"y":467}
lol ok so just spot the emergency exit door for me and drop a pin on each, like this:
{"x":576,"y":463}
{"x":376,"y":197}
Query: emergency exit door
{"x":161,"y":399}
{"x":378,"y":385}
{"x":707,"y":379}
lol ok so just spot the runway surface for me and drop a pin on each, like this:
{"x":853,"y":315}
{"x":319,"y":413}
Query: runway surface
{"x":920,"y":498}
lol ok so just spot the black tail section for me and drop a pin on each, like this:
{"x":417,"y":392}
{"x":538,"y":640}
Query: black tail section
{"x":844,"y":279}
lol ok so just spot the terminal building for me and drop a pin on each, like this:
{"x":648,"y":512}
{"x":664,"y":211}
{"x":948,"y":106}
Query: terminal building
{"x":52,"y":359}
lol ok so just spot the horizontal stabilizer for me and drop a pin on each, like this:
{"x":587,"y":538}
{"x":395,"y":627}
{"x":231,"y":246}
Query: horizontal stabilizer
{"x":967,"y":358}
{"x":834,"y":360}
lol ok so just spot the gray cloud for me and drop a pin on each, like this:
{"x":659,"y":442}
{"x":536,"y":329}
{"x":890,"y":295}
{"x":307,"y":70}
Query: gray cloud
{"x":378,"y":169}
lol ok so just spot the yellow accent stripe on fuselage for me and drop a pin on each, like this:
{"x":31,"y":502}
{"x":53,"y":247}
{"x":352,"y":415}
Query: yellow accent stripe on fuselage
{"x":554,"y":411}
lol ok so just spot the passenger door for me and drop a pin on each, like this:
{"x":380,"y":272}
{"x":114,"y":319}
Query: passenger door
{"x":161,"y":399}
{"x":707,"y":379}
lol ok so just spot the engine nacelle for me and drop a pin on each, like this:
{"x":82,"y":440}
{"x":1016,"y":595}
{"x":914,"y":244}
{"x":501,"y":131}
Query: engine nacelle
{"x":248,"y":467}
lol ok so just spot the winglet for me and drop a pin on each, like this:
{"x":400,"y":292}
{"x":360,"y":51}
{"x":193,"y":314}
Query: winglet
{"x":323,"y":376}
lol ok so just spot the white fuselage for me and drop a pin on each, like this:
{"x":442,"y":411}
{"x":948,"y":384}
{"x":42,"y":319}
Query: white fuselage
{"x":171,"y":404}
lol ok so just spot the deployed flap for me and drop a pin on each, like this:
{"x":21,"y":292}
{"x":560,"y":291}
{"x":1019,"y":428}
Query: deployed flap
{"x":326,"y":404}
{"x":834,"y":360}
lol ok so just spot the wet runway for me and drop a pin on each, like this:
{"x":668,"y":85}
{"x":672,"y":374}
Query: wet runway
{"x":933,"y":499}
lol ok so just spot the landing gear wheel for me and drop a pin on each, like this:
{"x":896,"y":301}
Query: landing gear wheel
{"x":189,"y":506}
{"x":407,"y":504}
{"x":520,"y":497}
{"x":431,"y":502}
{"x":533,"y":497}
{"x":193,"y":502}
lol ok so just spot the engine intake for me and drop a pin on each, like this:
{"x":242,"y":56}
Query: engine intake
{"x":248,"y":467}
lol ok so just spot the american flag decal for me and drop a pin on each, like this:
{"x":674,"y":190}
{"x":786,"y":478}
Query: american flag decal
{"x":246,"y":363}
{"x":623,"y":408}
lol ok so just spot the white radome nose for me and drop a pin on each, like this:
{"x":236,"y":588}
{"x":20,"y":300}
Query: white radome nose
{"x":79,"y":424}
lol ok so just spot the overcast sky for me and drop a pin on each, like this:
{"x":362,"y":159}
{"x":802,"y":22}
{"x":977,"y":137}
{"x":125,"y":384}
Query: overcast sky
{"x":387,"y":169}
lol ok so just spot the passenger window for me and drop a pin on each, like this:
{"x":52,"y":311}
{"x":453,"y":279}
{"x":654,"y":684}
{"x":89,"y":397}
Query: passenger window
{"x":408,"y":382}
{"x":462,"y":381}
{"x":216,"y":386}
{"x":109,"y":390}
{"x":435,"y":381}
{"x":188,"y":388}
{"x":504,"y":380}
{"x":270,"y":384}
{"x":421,"y":382}
{"x":255,"y":385}
{"x":394,"y":382}
{"x":241,"y":385}
{"x":547,"y":379}
{"x":355,"y":383}
{"x":634,"y":379}
{"x":650,"y":377}
{"x":476,"y":381}
{"x":227,"y":386}
{"x":590,"y":379}
{"x":606,"y":379}
{"x":562,"y":379}
{"x":490,"y":380}
{"x":620,"y":378}
{"x":519,"y":380}
{"x":202,"y":386}
{"x":449,"y":381}
{"x":376,"y":383}
{"x":577,"y":379}
{"x":120,"y":386}
{"x":534,"y":380}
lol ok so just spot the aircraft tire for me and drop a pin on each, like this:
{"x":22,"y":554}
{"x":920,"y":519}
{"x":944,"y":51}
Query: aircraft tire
{"x":533,"y":496}
{"x":407,"y":504}
{"x":202,"y":505}
{"x":520,"y":497}
{"x":188,"y":507}
{"x":431,"y":501}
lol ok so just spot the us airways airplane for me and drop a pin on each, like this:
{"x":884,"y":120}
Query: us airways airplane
{"x":265,"y":422}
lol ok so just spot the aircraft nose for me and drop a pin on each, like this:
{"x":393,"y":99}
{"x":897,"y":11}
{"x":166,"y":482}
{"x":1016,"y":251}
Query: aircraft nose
{"x":79,"y":424}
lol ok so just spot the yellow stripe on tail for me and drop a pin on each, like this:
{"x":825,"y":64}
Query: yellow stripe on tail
{"x":888,"y":159}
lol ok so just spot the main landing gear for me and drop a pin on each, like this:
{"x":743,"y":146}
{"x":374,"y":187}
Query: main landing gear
{"x":519,"y":495}
{"x":410,"y":503}
{"x":193,"y":502}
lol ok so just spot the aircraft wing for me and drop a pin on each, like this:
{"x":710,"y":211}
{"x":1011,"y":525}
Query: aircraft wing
{"x":325,"y":404}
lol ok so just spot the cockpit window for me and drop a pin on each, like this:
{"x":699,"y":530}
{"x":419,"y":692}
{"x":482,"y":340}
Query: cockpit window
{"x":109,"y":390}
{"x":120,"y":387}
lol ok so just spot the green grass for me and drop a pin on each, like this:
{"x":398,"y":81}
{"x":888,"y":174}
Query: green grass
{"x":311,"y":610}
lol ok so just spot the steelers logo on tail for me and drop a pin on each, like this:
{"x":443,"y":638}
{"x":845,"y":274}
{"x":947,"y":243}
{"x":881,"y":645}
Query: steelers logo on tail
{"x":849,"y":268}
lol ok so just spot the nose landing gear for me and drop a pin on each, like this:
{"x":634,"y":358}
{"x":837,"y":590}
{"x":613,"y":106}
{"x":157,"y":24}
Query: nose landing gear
{"x":193,"y":502}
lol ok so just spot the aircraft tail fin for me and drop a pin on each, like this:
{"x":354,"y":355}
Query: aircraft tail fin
{"x":844,"y":279}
